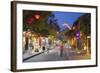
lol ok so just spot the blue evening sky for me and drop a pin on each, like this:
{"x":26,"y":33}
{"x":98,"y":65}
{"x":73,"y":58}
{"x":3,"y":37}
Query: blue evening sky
{"x":66,"y":17}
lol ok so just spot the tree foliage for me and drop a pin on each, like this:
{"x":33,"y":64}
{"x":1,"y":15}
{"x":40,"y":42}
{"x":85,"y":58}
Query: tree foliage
{"x":40,"y":26}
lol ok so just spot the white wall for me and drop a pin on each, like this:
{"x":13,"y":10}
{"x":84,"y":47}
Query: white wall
{"x":5,"y":37}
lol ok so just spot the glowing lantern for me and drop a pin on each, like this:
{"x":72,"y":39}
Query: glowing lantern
{"x":37,"y":15}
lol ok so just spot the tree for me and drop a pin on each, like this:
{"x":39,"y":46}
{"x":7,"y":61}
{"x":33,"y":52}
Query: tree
{"x":41,"y":25}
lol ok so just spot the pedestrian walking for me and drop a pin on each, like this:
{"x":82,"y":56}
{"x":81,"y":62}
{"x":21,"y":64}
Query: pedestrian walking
{"x":43,"y":48}
{"x":61,"y":49}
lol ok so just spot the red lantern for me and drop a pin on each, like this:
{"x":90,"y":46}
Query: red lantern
{"x":37,"y":15}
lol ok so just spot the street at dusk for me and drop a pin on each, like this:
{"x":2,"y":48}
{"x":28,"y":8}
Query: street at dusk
{"x":56,"y":36}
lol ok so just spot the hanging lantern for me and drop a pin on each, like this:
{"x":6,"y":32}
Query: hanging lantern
{"x":37,"y":15}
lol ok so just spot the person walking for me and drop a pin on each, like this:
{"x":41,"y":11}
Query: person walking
{"x":61,"y":49}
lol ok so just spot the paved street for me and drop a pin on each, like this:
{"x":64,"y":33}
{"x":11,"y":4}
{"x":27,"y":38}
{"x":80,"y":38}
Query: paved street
{"x":54,"y":55}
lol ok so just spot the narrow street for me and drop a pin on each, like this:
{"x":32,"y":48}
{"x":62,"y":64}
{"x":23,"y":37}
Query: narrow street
{"x":67,"y":36}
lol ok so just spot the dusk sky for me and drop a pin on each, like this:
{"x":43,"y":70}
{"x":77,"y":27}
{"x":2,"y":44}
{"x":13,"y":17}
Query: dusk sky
{"x":66,"y":17}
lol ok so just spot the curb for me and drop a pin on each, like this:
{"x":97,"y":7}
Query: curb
{"x":32,"y":56}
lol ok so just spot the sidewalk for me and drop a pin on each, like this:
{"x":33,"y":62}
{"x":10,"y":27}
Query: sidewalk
{"x":29,"y":54}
